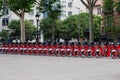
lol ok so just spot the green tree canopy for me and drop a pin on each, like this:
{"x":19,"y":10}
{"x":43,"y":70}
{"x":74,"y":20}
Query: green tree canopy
{"x":1,"y":8}
{"x":76,"y":25}
{"x":19,"y":7}
{"x":14,"y":26}
{"x":108,"y":6}
{"x":4,"y":35}
{"x":53,"y":10}
{"x":117,"y":6}
{"x":46,"y":27}
{"x":71,"y":26}
{"x":90,"y":5}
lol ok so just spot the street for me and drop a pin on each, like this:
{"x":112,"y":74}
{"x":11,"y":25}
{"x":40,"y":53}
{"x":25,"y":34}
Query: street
{"x":25,"y":67}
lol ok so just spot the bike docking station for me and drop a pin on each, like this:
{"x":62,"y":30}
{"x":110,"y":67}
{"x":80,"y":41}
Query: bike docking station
{"x":63,"y":49}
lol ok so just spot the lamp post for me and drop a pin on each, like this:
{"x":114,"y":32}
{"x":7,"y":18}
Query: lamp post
{"x":78,"y":24}
{"x":37,"y":19}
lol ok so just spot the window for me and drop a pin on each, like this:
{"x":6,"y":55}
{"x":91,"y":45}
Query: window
{"x":45,"y":15}
{"x":47,"y":1}
{"x":70,"y":4}
{"x":31,"y":21}
{"x":64,"y":3}
{"x":64,"y":14}
{"x":31,"y":12}
{"x":5,"y":21}
{"x":99,"y":10}
{"x":54,"y":7}
{"x":6,"y":11}
{"x":69,"y":13}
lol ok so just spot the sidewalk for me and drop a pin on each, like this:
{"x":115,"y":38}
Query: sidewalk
{"x":25,"y":67}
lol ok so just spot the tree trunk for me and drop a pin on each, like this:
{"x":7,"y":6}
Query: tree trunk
{"x":22,"y":28}
{"x":53,"y":31}
{"x":58,"y":36}
{"x":91,"y":24}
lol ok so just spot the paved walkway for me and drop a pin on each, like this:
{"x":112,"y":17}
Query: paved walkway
{"x":24,"y":67}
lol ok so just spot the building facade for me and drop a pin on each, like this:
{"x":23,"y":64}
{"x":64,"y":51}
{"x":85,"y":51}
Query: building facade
{"x":71,"y":7}
{"x":9,"y":16}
